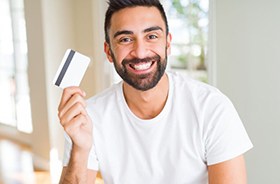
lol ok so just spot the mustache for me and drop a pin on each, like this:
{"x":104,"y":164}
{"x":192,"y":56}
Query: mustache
{"x":138,"y":60}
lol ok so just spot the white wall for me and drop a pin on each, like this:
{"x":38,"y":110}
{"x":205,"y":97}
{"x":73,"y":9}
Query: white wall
{"x":71,"y":24}
{"x":246,"y":55}
{"x":39,"y":139}
{"x":52,"y":27}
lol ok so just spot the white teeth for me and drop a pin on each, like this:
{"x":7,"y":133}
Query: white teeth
{"x":142,"y":66}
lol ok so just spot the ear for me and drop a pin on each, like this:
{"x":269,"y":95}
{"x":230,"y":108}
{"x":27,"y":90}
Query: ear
{"x":168,"y":43}
{"x":108,"y":51}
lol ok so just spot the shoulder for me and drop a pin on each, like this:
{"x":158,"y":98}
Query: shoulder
{"x":195,"y":89}
{"x":105,"y":95}
{"x":204,"y":98}
{"x":105,"y":100}
{"x":180,"y":80}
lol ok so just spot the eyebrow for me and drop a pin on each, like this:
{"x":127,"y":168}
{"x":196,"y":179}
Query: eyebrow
{"x":127,"y":32}
{"x":154,"y":28}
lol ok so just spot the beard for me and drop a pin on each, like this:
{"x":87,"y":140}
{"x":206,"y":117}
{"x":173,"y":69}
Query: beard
{"x":141,"y":82}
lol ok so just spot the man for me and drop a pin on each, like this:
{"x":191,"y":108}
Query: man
{"x":155,"y":126}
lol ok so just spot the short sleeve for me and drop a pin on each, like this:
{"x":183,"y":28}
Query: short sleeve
{"x":92,"y":159}
{"x":225,"y":134}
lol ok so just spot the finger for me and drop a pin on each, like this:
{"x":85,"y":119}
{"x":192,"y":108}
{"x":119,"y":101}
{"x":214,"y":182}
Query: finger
{"x":76,"y":98}
{"x":68,"y":93}
{"x":74,"y":125}
{"x":73,"y":112}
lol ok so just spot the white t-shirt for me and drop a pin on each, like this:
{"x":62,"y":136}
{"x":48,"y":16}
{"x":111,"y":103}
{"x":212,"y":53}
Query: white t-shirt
{"x":198,"y":126}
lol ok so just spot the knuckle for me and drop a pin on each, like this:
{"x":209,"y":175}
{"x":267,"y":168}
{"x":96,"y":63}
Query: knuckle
{"x":82,"y":117}
{"x":65,"y":92}
{"x":67,"y":128}
{"x":67,"y":89}
{"x":59,"y":114}
{"x":79,"y":105}
{"x":77,"y":97}
{"x":62,"y":121}
{"x":78,"y":118}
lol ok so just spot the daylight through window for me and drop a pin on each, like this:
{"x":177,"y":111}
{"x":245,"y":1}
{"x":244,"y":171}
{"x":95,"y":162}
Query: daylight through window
{"x":188,"y":22}
{"x":14,"y":94}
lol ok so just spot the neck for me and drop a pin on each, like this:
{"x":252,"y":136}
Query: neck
{"x":147,"y":104}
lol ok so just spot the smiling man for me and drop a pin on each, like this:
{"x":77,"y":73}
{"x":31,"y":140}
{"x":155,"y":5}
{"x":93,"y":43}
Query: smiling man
{"x":153,"y":127}
{"x":139,"y":46}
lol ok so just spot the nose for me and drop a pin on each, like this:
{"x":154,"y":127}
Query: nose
{"x":140,"y":49}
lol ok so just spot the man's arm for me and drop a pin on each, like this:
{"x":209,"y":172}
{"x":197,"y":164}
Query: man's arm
{"x":76,"y":171}
{"x":229,"y":172}
{"x":91,"y":176}
{"x":77,"y":124}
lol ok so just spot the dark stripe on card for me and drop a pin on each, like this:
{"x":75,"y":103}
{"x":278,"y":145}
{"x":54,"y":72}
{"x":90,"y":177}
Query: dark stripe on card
{"x":65,"y":67}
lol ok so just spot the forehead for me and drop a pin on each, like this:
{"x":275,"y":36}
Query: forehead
{"x":136,"y":19}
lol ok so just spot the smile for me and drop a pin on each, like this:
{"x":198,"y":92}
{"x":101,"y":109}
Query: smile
{"x":141,"y":66}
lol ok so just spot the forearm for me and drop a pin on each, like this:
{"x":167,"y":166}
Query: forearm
{"x":76,"y":171}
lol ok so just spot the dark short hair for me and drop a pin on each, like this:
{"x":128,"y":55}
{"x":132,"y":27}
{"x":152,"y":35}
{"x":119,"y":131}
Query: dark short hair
{"x":116,"y":5}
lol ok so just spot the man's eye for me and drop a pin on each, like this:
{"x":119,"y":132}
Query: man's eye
{"x":125,"y":40}
{"x":152,"y":37}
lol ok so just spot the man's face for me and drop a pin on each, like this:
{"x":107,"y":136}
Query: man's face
{"x":138,"y":46}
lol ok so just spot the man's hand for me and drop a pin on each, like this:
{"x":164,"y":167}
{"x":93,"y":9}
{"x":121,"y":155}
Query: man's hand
{"x":77,"y":124}
{"x":74,"y":118}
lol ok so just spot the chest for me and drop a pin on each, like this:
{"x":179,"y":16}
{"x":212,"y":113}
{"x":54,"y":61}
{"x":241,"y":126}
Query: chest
{"x":170,"y":148}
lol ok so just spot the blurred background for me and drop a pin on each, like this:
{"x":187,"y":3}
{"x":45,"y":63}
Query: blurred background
{"x":233,"y":45}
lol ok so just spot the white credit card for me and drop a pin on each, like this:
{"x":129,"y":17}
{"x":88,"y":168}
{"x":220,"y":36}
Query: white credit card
{"x":71,"y":69}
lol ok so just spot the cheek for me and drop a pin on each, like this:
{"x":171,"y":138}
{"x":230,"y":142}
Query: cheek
{"x":159,"y":48}
{"x":160,"y":51}
{"x":121,"y":53}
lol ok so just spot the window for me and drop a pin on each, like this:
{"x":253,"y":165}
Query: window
{"x":14,"y":94}
{"x":188,"y":23}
